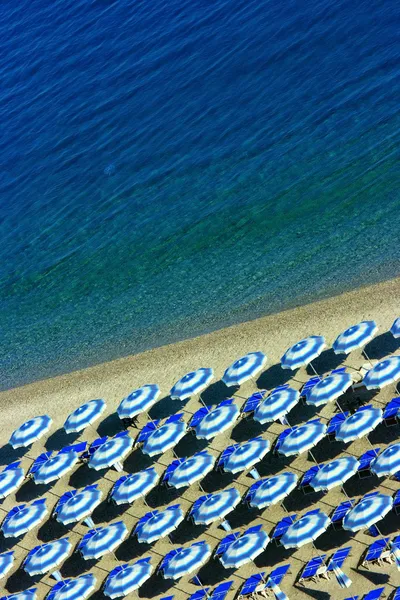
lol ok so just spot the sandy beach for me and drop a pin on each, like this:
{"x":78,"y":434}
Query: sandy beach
{"x":113,"y":381}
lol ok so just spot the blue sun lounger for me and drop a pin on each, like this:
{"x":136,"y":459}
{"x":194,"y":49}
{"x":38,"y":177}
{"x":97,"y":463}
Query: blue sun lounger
{"x":252,"y":402}
{"x":314,"y":566}
{"x":282,"y":527}
{"x":334,"y":424}
{"x":220,"y":592}
{"x":340,"y":512}
{"x":93,"y":447}
{"x":308,"y":386}
{"x":307,"y":477}
{"x":396,"y":594}
{"x":281,"y":437}
{"x":276,"y":576}
{"x":391,"y":412}
{"x":226,"y":542}
{"x":365,"y":461}
{"x":375,"y":551}
{"x":338,"y":558}
{"x":252,"y":584}
{"x":374,"y":594}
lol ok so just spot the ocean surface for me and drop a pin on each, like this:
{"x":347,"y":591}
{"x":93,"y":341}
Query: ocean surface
{"x":169,"y":168}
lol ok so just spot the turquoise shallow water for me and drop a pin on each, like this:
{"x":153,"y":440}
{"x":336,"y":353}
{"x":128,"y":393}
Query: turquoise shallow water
{"x":172,"y":168}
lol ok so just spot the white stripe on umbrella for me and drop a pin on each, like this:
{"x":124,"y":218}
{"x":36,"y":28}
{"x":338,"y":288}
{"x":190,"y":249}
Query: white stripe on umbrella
{"x":192,"y":469}
{"x":49,"y":556}
{"x":355,"y":337}
{"x":84,"y":415}
{"x":126,"y":578}
{"x":303,"y":352}
{"x":334,"y":473}
{"x":136,"y":485}
{"x":30,"y":431}
{"x":111,"y":452}
{"x":329,"y":389}
{"x":186,"y":560}
{"x":73,"y":589}
{"x":368,"y":511}
{"x":245,"y":549}
{"x":305,"y":530}
{"x":138,"y":401}
{"x":388,"y":461}
{"x":276,"y":405}
{"x":395,"y":328}
{"x":244,"y":368}
{"x":271,"y":490}
{"x":358,"y":425}
{"x":192,"y":383}
{"x":302,"y":438}
{"x":164,"y":438}
{"x":384,"y":373}
{"x":10,"y":479}
{"x":216,"y":421}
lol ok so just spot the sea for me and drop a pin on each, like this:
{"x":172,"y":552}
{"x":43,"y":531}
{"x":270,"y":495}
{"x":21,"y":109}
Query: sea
{"x":168,"y":168}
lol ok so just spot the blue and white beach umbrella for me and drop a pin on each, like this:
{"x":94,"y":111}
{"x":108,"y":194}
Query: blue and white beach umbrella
{"x":355,"y":337}
{"x":244,"y":549}
{"x":55,"y":467}
{"x":246,"y":455}
{"x":384,"y":373}
{"x":215,"y":506}
{"x":244,"y":368}
{"x":395,"y":328}
{"x":23,"y":518}
{"x":158,"y":524}
{"x":43,"y":559}
{"x":388,"y":461}
{"x":138,"y":401}
{"x":192,"y":469}
{"x":302,"y":438}
{"x":73,"y":589}
{"x":30,"y":431}
{"x":334,"y":473}
{"x":6,"y":562}
{"x":217,"y":421}
{"x":79,"y":505}
{"x":84,"y":416}
{"x":10,"y":479}
{"x":303,"y":352}
{"x":101,"y":540}
{"x":136,"y":485}
{"x":124,"y":579}
{"x":164,"y":438}
{"x":192,"y":383}
{"x":26,"y":595}
{"x":368,"y":511}
{"x":186,"y":560}
{"x":358,"y":425}
{"x":276,"y":405}
{"x":305,"y":530}
{"x":271,"y":490}
{"x":329,"y":389}
{"x":110,"y":453}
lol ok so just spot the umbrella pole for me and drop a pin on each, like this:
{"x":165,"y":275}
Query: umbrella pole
{"x":312,"y":367}
{"x":313,"y":457}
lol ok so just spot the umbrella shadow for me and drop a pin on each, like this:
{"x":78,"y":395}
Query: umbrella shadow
{"x":52,"y":530}
{"x":156,"y":585}
{"x":242,"y":515}
{"x":375,"y":577}
{"x":60,"y":438}
{"x":137,"y":461}
{"x":297,"y":500}
{"x":326,"y":449}
{"x":131,"y":548}
{"x":317,"y":594}
{"x":84,"y":476}
{"x":273,"y":376}
{"x":161,"y":495}
{"x":166,"y":407}
{"x":326,"y":362}
{"x":216,"y":392}
{"x":214,"y":481}
{"x":186,"y":532}
{"x":382,"y":345}
{"x":213,"y":572}
{"x":301,"y":413}
{"x":19,"y":581}
{"x":75,"y":565}
{"x":107,"y":511}
{"x":333,"y":538}
{"x":246,"y":429}
{"x":273,"y":463}
{"x":31,"y":490}
{"x":384,"y":435}
{"x":272,"y":555}
{"x":9,"y":455}
{"x":189,"y":445}
{"x":355,"y":486}
{"x":8,"y":543}
{"x":110,"y":425}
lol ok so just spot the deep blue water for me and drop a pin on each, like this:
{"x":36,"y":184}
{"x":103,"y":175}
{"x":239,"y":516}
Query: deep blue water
{"x":168,"y":168}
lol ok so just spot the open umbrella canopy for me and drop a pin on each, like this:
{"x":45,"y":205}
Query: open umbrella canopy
{"x":212,"y":507}
{"x":246,"y":455}
{"x":138,"y":401}
{"x":164,"y":438}
{"x":76,"y":505}
{"x":216,"y":421}
{"x":26,"y":595}
{"x":244,"y":368}
{"x":10,"y":479}
{"x":126,"y":578}
{"x":43,"y":559}
{"x":360,"y":424}
{"x":102,"y":540}
{"x":55,"y":467}
{"x":395,"y":328}
{"x":276,"y":405}
{"x":6,"y":562}
{"x":73,"y":589}
{"x":388,"y":461}
{"x":355,"y":337}
{"x":136,"y":485}
{"x":84,"y":416}
{"x":183,"y":561}
{"x":303,"y":352}
{"x":370,"y":509}
{"x":191,"y":469}
{"x":334,"y":473}
{"x":305,"y":530}
{"x":158,"y":524}
{"x":329,"y":389}
{"x":269,"y":491}
{"x":192,"y":383}
{"x":23,"y":518}
{"x":244,"y":549}
{"x":384,"y":373}
{"x":111,"y":452}
{"x":302,"y":438}
{"x":30,"y":431}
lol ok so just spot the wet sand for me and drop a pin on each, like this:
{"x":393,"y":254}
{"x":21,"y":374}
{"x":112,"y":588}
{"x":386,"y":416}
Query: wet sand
{"x":112,"y":381}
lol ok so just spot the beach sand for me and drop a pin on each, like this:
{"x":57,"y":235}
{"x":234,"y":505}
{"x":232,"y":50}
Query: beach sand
{"x":114,"y":380}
